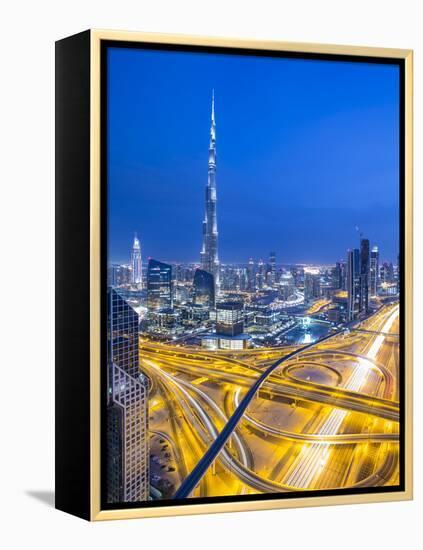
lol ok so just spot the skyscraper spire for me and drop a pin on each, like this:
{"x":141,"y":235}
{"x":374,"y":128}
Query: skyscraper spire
{"x":209,"y":254}
{"x":136,"y":262}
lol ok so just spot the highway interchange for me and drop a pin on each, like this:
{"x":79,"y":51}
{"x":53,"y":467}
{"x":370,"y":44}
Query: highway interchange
{"x":322,"y":416}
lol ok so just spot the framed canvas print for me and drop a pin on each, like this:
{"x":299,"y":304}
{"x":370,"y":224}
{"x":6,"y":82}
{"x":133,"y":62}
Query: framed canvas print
{"x":234,"y":277}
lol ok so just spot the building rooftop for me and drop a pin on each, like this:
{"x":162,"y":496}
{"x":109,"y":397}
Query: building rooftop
{"x":216,"y":335}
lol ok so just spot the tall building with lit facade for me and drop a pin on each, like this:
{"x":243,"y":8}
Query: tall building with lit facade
{"x":127,"y":407}
{"x":260,"y":275}
{"x":203,"y":288}
{"x":251,"y":275}
{"x":136,"y":262}
{"x":297,"y":274}
{"x":242,"y":278}
{"x":286,"y":285}
{"x":353,"y":284}
{"x":364,"y":274}
{"x":209,"y":253}
{"x":159,"y":286}
{"x":271,"y":269}
{"x":229,"y":328}
{"x":387,"y":273}
{"x":374,"y":271}
{"x":118,"y":275}
{"x":339,"y":276}
{"x":230,"y":318}
{"x":312,"y":288}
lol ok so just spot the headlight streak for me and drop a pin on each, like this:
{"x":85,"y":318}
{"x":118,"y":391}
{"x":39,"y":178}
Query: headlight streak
{"x":313,"y":458}
{"x":379,"y":406}
{"x":337,"y":439}
{"x":249,"y":477}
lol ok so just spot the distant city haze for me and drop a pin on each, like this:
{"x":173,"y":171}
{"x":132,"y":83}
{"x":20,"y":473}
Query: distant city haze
{"x":307,"y":151}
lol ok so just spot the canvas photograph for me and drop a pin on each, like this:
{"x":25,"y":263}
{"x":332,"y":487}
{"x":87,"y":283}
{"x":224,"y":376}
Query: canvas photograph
{"x":253,"y":275}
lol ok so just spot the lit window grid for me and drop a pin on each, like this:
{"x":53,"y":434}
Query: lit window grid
{"x":229,"y":316}
{"x":132,"y":396}
{"x":123,"y":337}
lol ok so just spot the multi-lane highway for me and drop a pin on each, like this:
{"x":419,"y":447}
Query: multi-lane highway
{"x":325,"y":415}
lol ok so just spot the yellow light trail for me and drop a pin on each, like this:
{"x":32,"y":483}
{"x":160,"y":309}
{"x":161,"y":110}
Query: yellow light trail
{"x":312,"y":459}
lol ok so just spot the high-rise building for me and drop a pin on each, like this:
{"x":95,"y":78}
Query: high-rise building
{"x":209,"y":252}
{"x":242,"y":278}
{"x":181,"y":294}
{"x":260,"y":275}
{"x":353,"y":284}
{"x":308,"y":286}
{"x":271,"y":269}
{"x":339,"y":276}
{"x":364,"y":274}
{"x":374,"y":271}
{"x":159,"y":285}
{"x":183,"y":273}
{"x":251,"y":275}
{"x":312,"y":289}
{"x":136,"y":262}
{"x":118,"y":275}
{"x":387,"y":273}
{"x":203,"y":288}
{"x":127,"y":407}
{"x":286,"y":285}
{"x":230,"y":318}
{"x":298,"y":275}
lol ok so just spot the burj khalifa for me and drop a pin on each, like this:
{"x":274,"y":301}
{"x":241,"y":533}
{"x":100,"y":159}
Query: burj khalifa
{"x":209,"y":255}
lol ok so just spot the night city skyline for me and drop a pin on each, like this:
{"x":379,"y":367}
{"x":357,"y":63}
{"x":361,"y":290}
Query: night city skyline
{"x":160,"y":144}
{"x":253,"y":321}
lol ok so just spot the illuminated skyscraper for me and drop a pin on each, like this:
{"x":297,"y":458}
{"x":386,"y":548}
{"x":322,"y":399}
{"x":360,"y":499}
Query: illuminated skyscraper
{"x":312,"y":288}
{"x":339,"y":275}
{"x":203,"y":287}
{"x":251,"y":275}
{"x":229,"y":318}
{"x":374,"y":271}
{"x":364,"y":274}
{"x":118,"y":274}
{"x":271,"y":269}
{"x":298,"y":275}
{"x":136,"y":262}
{"x":229,"y":328}
{"x":209,"y":252}
{"x":387,"y":273}
{"x":159,"y":286}
{"x":286,"y":285}
{"x":260,"y":275}
{"x":127,"y":407}
{"x":353,"y":284}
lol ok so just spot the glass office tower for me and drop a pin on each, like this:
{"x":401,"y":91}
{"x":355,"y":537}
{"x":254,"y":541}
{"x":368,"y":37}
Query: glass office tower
{"x":159,"y":286}
{"x":127,"y":407}
{"x":203,"y":288}
{"x":365,"y":274}
{"x":353,"y":284}
{"x":374,"y":271}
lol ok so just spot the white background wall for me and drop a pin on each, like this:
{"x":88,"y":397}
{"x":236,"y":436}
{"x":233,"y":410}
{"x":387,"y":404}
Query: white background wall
{"x":28,"y":32}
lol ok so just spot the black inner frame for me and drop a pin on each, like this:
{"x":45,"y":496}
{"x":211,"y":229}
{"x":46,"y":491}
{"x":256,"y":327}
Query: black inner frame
{"x":105,"y":44}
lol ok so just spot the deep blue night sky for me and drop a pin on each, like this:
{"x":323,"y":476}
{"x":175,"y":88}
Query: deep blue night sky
{"x":307,"y":150}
